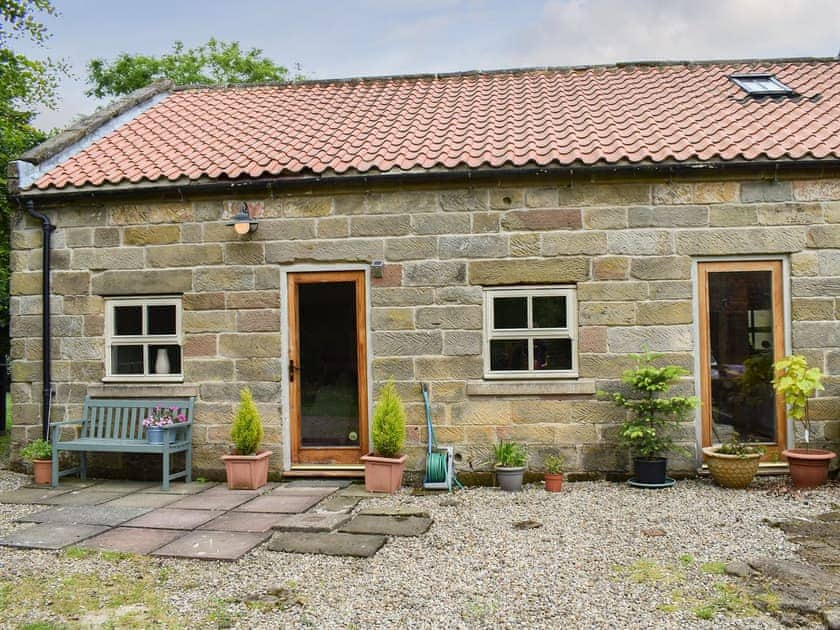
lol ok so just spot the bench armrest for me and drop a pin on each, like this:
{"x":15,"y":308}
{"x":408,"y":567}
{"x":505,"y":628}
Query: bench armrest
{"x":66,"y":423}
{"x":179,"y":425}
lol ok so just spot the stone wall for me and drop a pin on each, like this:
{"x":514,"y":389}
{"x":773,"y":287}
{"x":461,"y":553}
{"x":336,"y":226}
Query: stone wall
{"x":628,"y":246}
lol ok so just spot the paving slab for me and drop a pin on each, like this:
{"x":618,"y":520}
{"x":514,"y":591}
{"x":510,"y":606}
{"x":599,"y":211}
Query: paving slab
{"x":311,"y":522}
{"x":244,"y":522}
{"x":279,"y":504}
{"x":318,"y":483}
{"x":122,"y":485}
{"x":51,"y":535}
{"x":31,"y":495}
{"x":83,"y":497}
{"x":388,"y":525}
{"x":132,"y":539}
{"x":170,"y":518}
{"x":205,"y":501}
{"x":175,"y":487}
{"x":331,"y":544}
{"x":211,"y":545}
{"x":145,"y":499}
{"x":399,"y":510}
{"x":223,"y":489}
{"x":85,"y":514}
{"x":297,"y":491}
{"x":357,"y":490}
{"x":337,"y":503}
{"x":66,"y":484}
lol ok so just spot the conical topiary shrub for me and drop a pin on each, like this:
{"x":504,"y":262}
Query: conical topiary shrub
{"x":247,"y":469}
{"x":384,"y":468}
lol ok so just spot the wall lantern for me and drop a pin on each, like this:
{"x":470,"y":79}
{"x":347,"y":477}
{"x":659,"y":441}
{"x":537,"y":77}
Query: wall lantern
{"x":242,"y":221}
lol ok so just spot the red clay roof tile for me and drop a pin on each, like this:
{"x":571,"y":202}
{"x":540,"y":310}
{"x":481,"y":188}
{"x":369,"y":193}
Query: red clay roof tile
{"x":629,"y":113}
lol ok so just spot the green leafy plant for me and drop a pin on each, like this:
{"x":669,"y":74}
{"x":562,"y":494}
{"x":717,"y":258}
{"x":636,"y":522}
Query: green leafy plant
{"x":507,"y":454}
{"x":734,"y":446}
{"x":554,"y":463}
{"x":653,"y":416}
{"x":797,"y":383}
{"x":36,"y":449}
{"x":388,"y":429}
{"x":247,"y":430}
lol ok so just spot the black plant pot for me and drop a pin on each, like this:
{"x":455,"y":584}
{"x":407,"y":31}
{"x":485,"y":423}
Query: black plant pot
{"x":650,"y":470}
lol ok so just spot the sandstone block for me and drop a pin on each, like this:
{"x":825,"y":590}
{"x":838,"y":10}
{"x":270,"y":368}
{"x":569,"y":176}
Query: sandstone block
{"x":106,"y":237}
{"x":640,"y":242}
{"x":25,"y":326}
{"x":831,"y":211}
{"x":405,"y":203}
{"x":401,"y":296}
{"x":25,"y":239}
{"x":816,"y":190}
{"x":459,"y":295}
{"x":107,"y":258}
{"x":380,"y":225}
{"x":661,"y":268}
{"x":73,"y":282}
{"x":673,"y":193}
{"x":262,"y":392}
{"x":25,"y":283}
{"x":222,"y":232}
{"x":461,"y":343}
{"x":412,"y":248}
{"x":575,"y":434}
{"x":671,"y":290}
{"x":526,"y":245}
{"x":152,"y":235}
{"x":266,"y":278}
{"x":79,"y":237}
{"x":815,"y":309}
{"x":192,"y":255}
{"x":610,"y":267}
{"x":82,"y":304}
{"x":815,"y":287}
{"x":244,"y":253}
{"x":766,"y":191}
{"x":662,"y":312}
{"x":208,"y":321}
{"x":505,"y":198}
{"x":571,"y":243}
{"x":804,"y":264}
{"x":607,"y":313}
{"x":251,"y":345}
{"x":448,"y":391}
{"x":434,"y":273}
{"x":441,"y":223}
{"x":609,"y":291}
{"x":392,"y":319}
{"x":248,"y":370}
{"x":204,"y":301}
{"x":824,"y":236}
{"x":170,"y":213}
{"x":485,"y":412}
{"x":94,"y":326}
{"x":605,"y":194}
{"x":253,"y":299}
{"x":227,"y":278}
{"x":529,"y":271}
{"x":541,"y":197}
{"x":592,"y":339}
{"x":485,"y":246}
{"x":541,"y":411}
{"x":596,"y":412}
{"x":459,"y":317}
{"x":542,"y":220}
{"x":829,"y":263}
{"x":485,"y":222}
{"x":716,"y":192}
{"x":209,"y":210}
{"x":733,"y":216}
{"x":333,"y":227}
{"x":284,"y":230}
{"x":200,"y":346}
{"x":201,"y":370}
{"x":740,"y":241}
{"x":407,"y":343}
{"x":448,"y":368}
{"x":528,"y":433}
{"x":391,"y":276}
{"x":258,"y":320}
{"x":306,"y":206}
{"x":80,"y":349}
{"x":654,"y":338}
{"x":816,"y":334}
{"x":399,"y":369}
{"x":668,"y":216}
{"x":790,"y":214}
{"x":470,"y":200}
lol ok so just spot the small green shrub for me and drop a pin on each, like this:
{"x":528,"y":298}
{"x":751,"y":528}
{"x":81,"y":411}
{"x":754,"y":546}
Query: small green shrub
{"x":554,"y":463}
{"x":247,"y":430}
{"x":36,"y":449}
{"x":509,"y":454}
{"x":797,"y":382}
{"x":388,"y":430}
{"x":734,"y":446}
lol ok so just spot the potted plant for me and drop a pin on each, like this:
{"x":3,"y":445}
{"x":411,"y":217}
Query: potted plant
{"x":39,"y":452}
{"x":733,"y":464}
{"x":554,"y":472}
{"x":246,"y":468}
{"x":160,"y":418}
{"x":384,"y":467}
{"x":509,"y":460}
{"x":652,"y":417}
{"x":797,"y":383}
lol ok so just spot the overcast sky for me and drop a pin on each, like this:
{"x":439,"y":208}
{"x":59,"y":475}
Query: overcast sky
{"x":331,"y":38}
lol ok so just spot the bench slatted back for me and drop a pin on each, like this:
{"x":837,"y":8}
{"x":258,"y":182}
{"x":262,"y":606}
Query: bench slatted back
{"x":122,"y":419}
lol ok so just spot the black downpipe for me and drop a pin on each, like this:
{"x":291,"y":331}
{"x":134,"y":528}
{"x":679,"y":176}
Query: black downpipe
{"x":46,"y":332}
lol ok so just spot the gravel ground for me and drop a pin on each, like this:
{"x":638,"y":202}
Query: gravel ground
{"x":590,"y":563}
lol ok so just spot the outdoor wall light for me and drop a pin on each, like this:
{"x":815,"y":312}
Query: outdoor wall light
{"x":242,"y":221}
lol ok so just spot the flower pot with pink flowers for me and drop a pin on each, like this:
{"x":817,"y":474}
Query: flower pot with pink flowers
{"x":162,"y":423}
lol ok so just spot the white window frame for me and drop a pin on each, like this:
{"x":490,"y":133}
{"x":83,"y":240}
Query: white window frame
{"x":570,"y":332}
{"x":144,"y":340}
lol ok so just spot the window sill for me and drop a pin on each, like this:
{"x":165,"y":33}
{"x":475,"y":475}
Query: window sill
{"x":531,"y":388}
{"x":142,"y":390}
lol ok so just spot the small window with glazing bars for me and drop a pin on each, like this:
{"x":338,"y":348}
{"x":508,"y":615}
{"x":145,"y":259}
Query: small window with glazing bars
{"x":761,"y":84}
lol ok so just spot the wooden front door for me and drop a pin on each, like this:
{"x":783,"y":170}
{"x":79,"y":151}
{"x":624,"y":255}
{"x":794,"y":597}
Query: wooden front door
{"x":328,"y":367}
{"x":741,"y":335}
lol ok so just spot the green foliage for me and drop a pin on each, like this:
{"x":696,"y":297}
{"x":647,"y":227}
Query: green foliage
{"x":213,"y":63}
{"x":554,"y":463}
{"x":388,"y":430}
{"x":797,"y":383}
{"x":509,"y":454}
{"x":36,"y":449}
{"x":734,"y":446}
{"x":247,"y":429}
{"x":652,"y":416}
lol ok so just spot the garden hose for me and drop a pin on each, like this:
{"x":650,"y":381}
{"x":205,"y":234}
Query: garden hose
{"x":436,"y":467}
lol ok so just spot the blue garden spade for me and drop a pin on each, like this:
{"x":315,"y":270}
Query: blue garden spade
{"x":440,"y":466}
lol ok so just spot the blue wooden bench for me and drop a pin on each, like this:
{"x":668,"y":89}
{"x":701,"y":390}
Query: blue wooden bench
{"x":116,"y":426}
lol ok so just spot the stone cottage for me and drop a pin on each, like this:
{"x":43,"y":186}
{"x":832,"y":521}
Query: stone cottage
{"x":510,"y":238}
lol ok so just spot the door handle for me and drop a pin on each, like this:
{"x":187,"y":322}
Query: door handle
{"x":292,"y":369}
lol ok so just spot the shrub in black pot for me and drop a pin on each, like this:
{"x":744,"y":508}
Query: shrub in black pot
{"x":652,"y":417}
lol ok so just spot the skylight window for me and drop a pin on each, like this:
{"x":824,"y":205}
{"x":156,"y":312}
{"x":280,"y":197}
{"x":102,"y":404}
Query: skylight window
{"x":761,"y":85}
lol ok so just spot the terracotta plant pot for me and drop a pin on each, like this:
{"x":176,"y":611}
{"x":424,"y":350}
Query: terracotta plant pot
{"x":553,"y":482}
{"x":383,"y":474}
{"x":510,"y":479}
{"x":246,"y":472}
{"x":42,"y":470}
{"x":731,"y":471}
{"x":808,"y":466}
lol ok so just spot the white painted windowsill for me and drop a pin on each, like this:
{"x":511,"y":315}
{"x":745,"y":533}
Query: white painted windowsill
{"x":577,"y":387}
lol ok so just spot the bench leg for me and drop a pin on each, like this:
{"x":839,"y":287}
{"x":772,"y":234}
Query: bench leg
{"x":54,"y":468}
{"x":188,"y":462}
{"x":165,"y":484}
{"x":82,"y":465}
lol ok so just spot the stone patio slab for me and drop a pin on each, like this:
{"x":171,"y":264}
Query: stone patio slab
{"x":337,"y":503}
{"x":211,"y":545}
{"x":331,"y":544}
{"x":145,"y":499}
{"x":318,"y":483}
{"x":65,"y":483}
{"x":279,"y":504}
{"x":122,"y":485}
{"x":297,"y":491}
{"x":400,"y":510}
{"x":311,"y":522}
{"x":223,"y":489}
{"x":388,"y":525}
{"x":51,"y":535}
{"x":175,"y":487}
{"x":216,"y":501}
{"x":356,"y":490}
{"x":132,"y":539}
{"x":170,"y":518}
{"x":85,"y":514}
{"x":244,"y":522}
{"x":83,"y":497}
{"x":31,"y":495}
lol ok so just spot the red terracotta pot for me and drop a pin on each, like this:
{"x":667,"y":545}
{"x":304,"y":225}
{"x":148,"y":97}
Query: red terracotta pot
{"x":808,"y":466}
{"x":553,"y":482}
{"x":383,"y":474}
{"x":246,"y":472}
{"x":42,"y":470}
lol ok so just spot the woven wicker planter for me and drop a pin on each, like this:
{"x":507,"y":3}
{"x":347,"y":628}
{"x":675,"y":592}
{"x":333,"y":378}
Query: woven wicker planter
{"x":731,"y":471}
